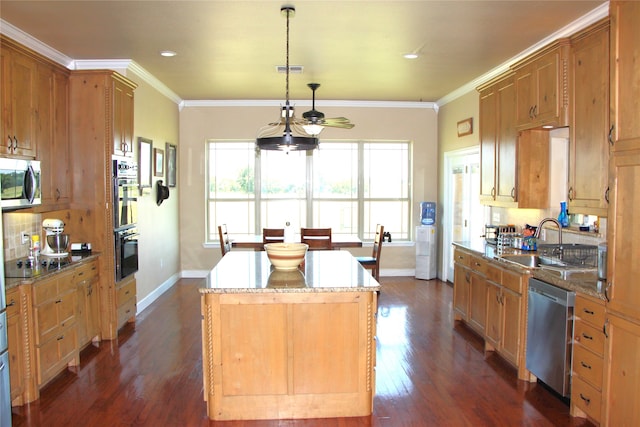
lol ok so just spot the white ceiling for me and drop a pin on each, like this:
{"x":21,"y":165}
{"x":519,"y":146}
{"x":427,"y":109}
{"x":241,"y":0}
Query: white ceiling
{"x":228,"y":50}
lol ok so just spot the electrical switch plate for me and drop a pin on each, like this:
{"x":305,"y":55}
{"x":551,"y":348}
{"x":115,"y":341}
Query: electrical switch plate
{"x":25,"y":237}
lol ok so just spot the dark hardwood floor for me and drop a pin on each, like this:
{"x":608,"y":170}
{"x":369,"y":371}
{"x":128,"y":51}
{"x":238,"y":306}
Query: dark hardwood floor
{"x":429,"y":372}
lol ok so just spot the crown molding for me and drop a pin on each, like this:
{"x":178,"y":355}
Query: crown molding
{"x":307,"y":103}
{"x":34,"y":44}
{"x":584,"y":21}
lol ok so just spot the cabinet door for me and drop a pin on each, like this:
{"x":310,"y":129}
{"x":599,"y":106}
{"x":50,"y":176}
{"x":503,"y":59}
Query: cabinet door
{"x":461,"y":285}
{"x":488,"y":141}
{"x":511,"y":305}
{"x":546,"y":106}
{"x":622,"y":376}
{"x":624,"y":234}
{"x":493,"y":329}
{"x":525,"y":90}
{"x":19,"y":96}
{"x":123,"y":120}
{"x":625,"y":74}
{"x":478,"y":302}
{"x":589,"y":145}
{"x":506,"y":190}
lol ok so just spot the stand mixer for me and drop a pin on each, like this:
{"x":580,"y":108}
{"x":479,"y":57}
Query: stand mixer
{"x":54,"y":227}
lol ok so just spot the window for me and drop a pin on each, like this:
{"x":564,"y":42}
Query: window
{"x":348,"y":186}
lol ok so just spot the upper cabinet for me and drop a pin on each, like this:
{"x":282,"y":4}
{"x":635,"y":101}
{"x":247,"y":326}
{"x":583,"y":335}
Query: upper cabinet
{"x":18,"y":95}
{"x":589,"y":144}
{"x":541,"y":87}
{"x":122,"y":118}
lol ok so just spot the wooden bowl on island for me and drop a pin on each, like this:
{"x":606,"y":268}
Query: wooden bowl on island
{"x":286,"y":256}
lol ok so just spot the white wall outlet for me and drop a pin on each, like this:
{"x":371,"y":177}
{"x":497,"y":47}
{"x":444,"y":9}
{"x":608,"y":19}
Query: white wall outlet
{"x":25,"y":237}
{"x":495,"y":218}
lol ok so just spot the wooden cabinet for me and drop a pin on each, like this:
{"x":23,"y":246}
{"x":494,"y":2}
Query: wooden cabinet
{"x":498,"y":141}
{"x":87,"y":281}
{"x":514,"y":167}
{"x":100,"y":108}
{"x":541,"y":87}
{"x":55,"y":304}
{"x":461,"y":284}
{"x":126,"y":300}
{"x":16,"y":349}
{"x":587,"y":365}
{"x":589,"y":144}
{"x":621,"y":388}
{"x":478,"y":294}
{"x":505,"y":316}
{"x":18,"y":94}
{"x":122,"y":118}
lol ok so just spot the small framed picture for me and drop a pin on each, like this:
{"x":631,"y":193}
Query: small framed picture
{"x":158,"y":162}
{"x":171,"y":164}
{"x":144,"y":162}
{"x":465,"y":127}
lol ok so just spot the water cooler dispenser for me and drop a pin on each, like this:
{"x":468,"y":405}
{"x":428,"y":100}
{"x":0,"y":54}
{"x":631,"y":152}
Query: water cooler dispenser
{"x":426,"y":243}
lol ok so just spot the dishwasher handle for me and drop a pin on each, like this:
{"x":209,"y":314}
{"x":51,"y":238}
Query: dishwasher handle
{"x":545,"y":295}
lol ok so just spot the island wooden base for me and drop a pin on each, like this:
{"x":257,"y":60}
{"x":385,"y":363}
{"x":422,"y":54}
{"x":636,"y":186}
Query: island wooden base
{"x":281,"y":355}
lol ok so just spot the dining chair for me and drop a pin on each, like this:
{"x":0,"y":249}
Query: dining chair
{"x":373,"y":262}
{"x":225,"y":242}
{"x":316,"y":238}
{"x":272,"y":235}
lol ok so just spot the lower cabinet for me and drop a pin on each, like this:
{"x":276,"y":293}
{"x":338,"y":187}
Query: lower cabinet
{"x":622,"y":374}
{"x":587,"y":364}
{"x":495,"y":301}
{"x":16,"y":351}
{"x":87,"y":283}
{"x":55,"y":303}
{"x":126,"y":300}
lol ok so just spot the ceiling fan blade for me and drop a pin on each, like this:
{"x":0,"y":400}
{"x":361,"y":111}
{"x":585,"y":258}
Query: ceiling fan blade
{"x":337,"y":120}
{"x":339,"y":125}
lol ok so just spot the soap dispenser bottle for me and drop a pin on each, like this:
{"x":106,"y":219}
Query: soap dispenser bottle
{"x":563,"y":217}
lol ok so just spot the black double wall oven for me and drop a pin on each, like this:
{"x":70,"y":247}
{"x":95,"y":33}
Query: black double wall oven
{"x":125,"y":216}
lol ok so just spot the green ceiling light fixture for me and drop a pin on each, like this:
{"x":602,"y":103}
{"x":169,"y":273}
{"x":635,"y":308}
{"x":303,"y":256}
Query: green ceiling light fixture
{"x":282,"y":136}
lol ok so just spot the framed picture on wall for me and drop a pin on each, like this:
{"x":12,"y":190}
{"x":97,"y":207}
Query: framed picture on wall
{"x":158,"y":162}
{"x":144,"y":162}
{"x":171,"y":164}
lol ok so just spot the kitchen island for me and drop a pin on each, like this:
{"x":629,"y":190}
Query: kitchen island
{"x":288,"y":344}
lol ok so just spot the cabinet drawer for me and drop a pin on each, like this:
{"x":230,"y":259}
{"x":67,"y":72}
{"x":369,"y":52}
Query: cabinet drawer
{"x":588,"y":366}
{"x":86,"y":272}
{"x":478,"y":264}
{"x":589,"y":310}
{"x":586,"y":398}
{"x":512,"y":281}
{"x":126,"y":292}
{"x":462,"y":258}
{"x":589,"y":337}
{"x":126,"y":311}
{"x":13,"y":303}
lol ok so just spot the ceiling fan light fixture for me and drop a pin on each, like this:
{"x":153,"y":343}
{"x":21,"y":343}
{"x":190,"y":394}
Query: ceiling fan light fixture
{"x":313,"y":129}
{"x":282,"y":136}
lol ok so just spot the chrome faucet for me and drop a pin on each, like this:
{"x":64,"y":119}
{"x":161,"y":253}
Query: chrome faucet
{"x":539,"y":229}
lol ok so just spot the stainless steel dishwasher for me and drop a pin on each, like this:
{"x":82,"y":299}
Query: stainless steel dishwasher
{"x":549,"y":334}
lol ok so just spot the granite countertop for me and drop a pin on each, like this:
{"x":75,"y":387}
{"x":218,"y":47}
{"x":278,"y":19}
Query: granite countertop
{"x":45,"y":273}
{"x":322,"y":271}
{"x":585,"y":283}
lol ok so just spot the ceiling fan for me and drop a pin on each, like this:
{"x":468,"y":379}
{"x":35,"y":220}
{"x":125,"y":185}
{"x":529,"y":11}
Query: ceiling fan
{"x":313,"y":121}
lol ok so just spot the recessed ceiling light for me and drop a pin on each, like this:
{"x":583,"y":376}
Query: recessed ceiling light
{"x":410,"y":55}
{"x":167,"y":53}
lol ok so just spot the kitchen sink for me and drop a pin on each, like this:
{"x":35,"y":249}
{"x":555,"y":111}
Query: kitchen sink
{"x":531,"y":260}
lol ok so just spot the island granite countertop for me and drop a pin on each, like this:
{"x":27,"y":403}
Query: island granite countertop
{"x":322,"y":271}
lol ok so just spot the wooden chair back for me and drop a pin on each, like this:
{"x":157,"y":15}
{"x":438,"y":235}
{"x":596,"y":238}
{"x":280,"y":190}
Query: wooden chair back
{"x":316,"y":238}
{"x":225,"y":242}
{"x":272,"y":235}
{"x":373,"y":262}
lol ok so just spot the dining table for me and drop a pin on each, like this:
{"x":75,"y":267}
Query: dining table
{"x":255,"y":242}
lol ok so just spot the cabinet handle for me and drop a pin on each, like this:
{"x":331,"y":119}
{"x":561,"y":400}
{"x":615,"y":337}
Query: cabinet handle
{"x":58,"y":301}
{"x":587,"y":336}
{"x":535,"y":111}
{"x":493,"y":192}
{"x":570,"y":194}
{"x":586,"y":399}
{"x":11,"y":303}
{"x":477,"y":264}
{"x":460,"y":257}
{"x":588,"y":311}
{"x":611,"y":135}
{"x":531,"y":112}
{"x":513,"y":193}
{"x":61,"y":337}
{"x":606,"y":291}
{"x":585,"y":365}
{"x":467,"y":277}
{"x":606,"y":195}
{"x":9,"y":145}
{"x":15,"y":142}
{"x":604,"y":328}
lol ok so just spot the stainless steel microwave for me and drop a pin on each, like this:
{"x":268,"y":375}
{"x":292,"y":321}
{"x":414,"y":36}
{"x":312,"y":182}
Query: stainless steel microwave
{"x":19,"y":183}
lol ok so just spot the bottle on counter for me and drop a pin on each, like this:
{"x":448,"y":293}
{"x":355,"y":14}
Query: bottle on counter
{"x":35,"y":247}
{"x":563,"y":217}
{"x":288,"y":233}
